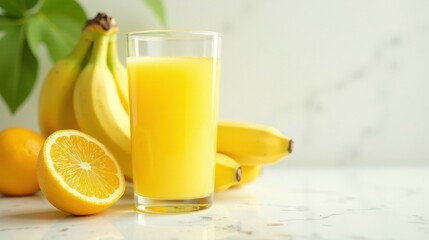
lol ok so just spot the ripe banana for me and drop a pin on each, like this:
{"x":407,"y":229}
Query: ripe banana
{"x":227,"y":172}
{"x":252,"y":144}
{"x":118,"y":70}
{"x":56,"y":96}
{"x":97,"y":105}
{"x":249,"y":173}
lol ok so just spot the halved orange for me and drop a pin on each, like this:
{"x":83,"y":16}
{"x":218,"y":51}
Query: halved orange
{"x":77,"y":174}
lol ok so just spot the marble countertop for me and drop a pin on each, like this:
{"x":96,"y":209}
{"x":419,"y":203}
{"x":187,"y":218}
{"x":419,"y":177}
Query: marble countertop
{"x":356,"y":203}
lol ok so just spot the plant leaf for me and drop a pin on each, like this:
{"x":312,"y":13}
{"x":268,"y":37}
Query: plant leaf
{"x":18,"y":67}
{"x":58,"y":25}
{"x":30,"y":3}
{"x":157,"y":7}
{"x":17,"y":8}
{"x":12,"y":8}
{"x":6,"y":22}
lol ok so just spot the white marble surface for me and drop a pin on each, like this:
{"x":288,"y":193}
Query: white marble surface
{"x":347,"y":203}
{"x":347,"y":79}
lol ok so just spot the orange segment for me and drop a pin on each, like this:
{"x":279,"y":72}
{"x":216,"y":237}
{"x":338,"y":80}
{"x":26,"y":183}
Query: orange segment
{"x":84,"y":166}
{"x":78,"y":174}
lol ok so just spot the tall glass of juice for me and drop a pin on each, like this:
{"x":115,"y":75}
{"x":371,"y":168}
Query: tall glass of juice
{"x":173,"y":85}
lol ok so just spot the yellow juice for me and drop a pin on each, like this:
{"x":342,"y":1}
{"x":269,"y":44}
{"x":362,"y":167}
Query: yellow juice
{"x":173,"y":128}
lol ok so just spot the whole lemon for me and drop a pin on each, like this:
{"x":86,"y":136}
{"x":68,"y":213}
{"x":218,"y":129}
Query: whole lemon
{"x":19,"y":150}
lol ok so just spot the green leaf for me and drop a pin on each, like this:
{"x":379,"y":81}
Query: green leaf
{"x":18,"y":69}
{"x":157,"y":8}
{"x":30,"y":3}
{"x":58,"y":25}
{"x":6,"y":22}
{"x":17,"y":8}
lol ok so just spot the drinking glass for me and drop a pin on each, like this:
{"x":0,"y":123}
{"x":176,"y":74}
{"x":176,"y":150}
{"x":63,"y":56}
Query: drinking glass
{"x":173,"y":86}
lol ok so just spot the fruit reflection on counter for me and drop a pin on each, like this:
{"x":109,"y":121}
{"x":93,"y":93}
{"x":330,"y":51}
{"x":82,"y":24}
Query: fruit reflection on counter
{"x":87,"y":92}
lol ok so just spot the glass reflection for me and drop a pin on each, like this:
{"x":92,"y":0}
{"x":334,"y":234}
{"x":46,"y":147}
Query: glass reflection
{"x":192,"y":226}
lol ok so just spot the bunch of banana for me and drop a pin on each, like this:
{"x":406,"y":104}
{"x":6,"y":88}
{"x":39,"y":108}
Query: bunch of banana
{"x":251,"y":146}
{"x":88,"y":91}
{"x":98,"y":108}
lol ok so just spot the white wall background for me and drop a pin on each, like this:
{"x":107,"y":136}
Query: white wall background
{"x":348,"y":80}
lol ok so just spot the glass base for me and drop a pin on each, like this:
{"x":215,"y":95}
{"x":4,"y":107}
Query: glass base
{"x":162,"y":206}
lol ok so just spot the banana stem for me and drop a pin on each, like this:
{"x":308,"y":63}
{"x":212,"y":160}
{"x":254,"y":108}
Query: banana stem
{"x":99,"y":51}
{"x":82,"y":47}
{"x":112,"y":53}
{"x":102,"y":20}
{"x":101,"y":29}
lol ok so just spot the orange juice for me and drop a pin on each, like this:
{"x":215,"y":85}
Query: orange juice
{"x":173,"y":128}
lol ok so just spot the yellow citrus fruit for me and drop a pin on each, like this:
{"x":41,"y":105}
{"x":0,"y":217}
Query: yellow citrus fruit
{"x":19,"y":148}
{"x":77,"y":174}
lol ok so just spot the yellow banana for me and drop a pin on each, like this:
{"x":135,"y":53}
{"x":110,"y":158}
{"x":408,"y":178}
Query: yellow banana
{"x":97,"y":105}
{"x":56,"y":97}
{"x":227,"y":172}
{"x":118,"y":70}
{"x":249,"y":174}
{"x":252,"y":144}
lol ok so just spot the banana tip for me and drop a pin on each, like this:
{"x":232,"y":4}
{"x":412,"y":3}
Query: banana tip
{"x":238,"y":174}
{"x":291,"y":146}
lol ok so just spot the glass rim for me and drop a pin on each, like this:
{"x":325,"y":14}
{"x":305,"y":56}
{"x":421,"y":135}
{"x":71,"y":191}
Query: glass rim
{"x":150,"y":34}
